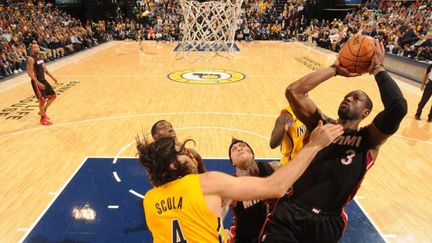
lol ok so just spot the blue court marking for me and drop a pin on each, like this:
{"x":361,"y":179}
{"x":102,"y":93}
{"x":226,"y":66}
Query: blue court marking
{"x":94,"y":188}
{"x":205,"y":47}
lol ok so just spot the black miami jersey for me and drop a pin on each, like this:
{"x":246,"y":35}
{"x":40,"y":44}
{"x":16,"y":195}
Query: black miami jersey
{"x":39,"y":66}
{"x":314,"y":212}
{"x":336,"y":172}
{"x":249,"y":216}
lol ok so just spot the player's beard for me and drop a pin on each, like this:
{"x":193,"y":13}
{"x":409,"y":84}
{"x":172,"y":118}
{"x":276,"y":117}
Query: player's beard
{"x":347,"y":115}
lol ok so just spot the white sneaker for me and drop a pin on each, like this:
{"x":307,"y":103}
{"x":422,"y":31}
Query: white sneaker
{"x":15,"y":71}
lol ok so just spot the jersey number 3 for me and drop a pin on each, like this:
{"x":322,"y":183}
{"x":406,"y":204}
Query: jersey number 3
{"x":177,"y":234}
{"x":350,"y":154}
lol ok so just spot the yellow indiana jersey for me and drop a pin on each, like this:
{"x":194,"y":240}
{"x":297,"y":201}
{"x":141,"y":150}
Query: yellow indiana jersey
{"x":292,"y":141}
{"x":178,"y":212}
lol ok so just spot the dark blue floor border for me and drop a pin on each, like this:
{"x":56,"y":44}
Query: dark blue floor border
{"x":101,"y":203}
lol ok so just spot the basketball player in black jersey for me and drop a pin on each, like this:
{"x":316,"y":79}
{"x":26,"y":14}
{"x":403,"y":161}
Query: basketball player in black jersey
{"x":36,"y":70}
{"x":249,"y":216}
{"x":197,"y":213}
{"x":314,"y":213}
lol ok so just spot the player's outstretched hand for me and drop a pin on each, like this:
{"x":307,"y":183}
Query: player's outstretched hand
{"x":378,"y":59}
{"x":323,"y":135}
{"x":343,"y":71}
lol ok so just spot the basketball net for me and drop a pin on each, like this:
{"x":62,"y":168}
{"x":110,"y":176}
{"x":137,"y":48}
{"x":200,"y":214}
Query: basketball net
{"x":209,"y":29}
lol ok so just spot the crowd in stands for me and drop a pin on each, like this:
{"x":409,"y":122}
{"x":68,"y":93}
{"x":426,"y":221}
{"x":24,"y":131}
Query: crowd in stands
{"x":404,"y":27}
{"x":260,"y":20}
{"x":156,"y":20}
{"x":57,"y":33}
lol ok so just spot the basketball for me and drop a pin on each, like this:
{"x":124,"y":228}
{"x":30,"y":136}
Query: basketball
{"x":356,"y":55}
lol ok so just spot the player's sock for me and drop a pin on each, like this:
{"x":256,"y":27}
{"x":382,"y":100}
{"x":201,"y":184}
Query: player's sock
{"x":43,"y":116}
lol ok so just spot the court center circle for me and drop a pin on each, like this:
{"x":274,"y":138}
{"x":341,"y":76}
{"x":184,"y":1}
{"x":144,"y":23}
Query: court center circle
{"x":206,"y":76}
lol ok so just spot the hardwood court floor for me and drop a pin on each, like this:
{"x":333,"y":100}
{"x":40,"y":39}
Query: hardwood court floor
{"x":112,"y":93}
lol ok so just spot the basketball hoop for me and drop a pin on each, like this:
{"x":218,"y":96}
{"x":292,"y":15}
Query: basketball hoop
{"x":209,"y":28}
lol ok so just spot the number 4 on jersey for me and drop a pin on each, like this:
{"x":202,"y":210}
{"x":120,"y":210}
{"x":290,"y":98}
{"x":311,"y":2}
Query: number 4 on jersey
{"x":177,"y":235}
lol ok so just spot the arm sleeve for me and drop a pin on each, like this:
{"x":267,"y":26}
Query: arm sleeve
{"x":395,"y":105}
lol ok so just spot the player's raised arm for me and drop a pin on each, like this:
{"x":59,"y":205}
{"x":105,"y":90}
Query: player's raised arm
{"x":282,"y":124}
{"x":387,"y":122}
{"x":296,"y":93}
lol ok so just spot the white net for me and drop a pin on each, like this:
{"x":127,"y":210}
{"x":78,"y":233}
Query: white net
{"x":209,"y":28}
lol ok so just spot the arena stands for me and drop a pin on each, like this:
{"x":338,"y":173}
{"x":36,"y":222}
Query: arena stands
{"x":157,"y":20}
{"x":405,"y":27}
{"x":260,"y":20}
{"x":57,"y":33}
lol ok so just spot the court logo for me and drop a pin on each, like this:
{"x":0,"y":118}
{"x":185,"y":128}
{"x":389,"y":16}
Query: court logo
{"x":206,"y":76}
{"x":309,"y":63}
{"x":30,"y":103}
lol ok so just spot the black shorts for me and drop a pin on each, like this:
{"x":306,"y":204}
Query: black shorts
{"x":294,"y":222}
{"x":45,"y":93}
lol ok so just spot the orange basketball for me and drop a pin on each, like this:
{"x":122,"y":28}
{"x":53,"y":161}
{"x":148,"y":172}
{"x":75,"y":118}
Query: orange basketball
{"x":356,"y":55}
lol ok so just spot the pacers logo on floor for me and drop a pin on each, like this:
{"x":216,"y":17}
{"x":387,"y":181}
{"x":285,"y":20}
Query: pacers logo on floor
{"x":206,"y":76}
